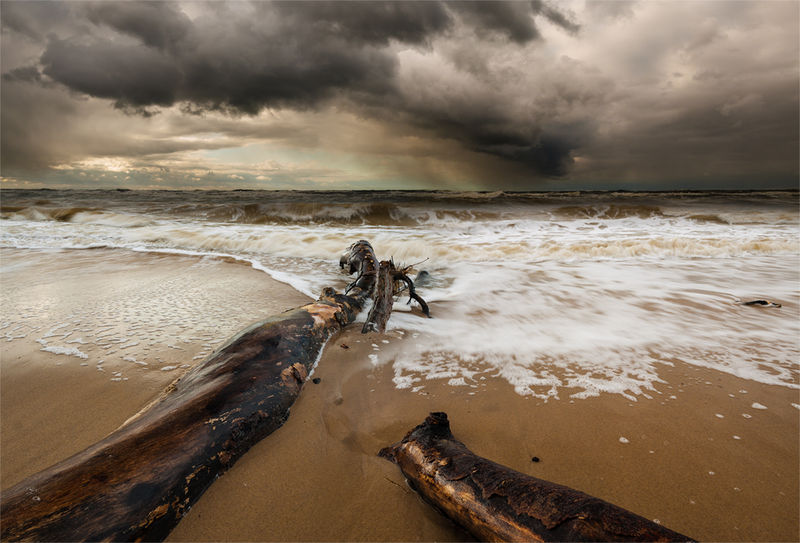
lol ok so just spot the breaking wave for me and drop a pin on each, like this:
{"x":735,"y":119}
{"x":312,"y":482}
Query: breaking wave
{"x":608,"y":212}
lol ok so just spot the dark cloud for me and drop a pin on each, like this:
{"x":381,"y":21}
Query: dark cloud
{"x":129,"y":74}
{"x":239,"y":61}
{"x":555,"y":16}
{"x":243,"y":58}
{"x":515,"y":20}
{"x":530,"y":144}
{"x":157,"y":24}
{"x":29,"y":74}
{"x":375,"y":23}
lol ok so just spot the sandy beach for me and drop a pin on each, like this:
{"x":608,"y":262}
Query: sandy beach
{"x":710,"y":455}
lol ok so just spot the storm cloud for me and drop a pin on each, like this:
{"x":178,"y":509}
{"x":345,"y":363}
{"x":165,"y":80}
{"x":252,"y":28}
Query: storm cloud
{"x":246,"y":57}
{"x":535,"y":91}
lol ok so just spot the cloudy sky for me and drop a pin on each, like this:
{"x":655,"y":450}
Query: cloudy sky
{"x":536,"y":95}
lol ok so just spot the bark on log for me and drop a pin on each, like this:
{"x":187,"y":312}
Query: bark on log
{"x":360,"y":257}
{"x":496,"y":503}
{"x":139,"y":481}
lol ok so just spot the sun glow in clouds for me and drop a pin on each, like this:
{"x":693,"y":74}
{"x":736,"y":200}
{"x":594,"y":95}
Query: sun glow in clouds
{"x":102,"y":164}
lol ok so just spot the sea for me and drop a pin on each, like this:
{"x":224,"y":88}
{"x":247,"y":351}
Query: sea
{"x":560,"y":294}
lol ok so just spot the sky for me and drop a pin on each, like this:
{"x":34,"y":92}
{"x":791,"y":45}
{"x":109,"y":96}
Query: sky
{"x":535,"y":95}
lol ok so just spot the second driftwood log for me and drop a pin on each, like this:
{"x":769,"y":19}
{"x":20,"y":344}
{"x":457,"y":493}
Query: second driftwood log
{"x":140,"y":480}
{"x":496,"y":503}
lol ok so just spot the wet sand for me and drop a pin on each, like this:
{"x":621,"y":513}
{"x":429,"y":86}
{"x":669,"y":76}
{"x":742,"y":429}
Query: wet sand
{"x":697,"y":455}
{"x":121,"y":310}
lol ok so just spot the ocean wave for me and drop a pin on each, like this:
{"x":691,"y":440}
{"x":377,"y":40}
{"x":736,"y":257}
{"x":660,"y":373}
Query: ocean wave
{"x":705,"y":218}
{"x":375,"y":213}
{"x":469,"y":195}
{"x":36,"y":213}
{"x":78,"y":215}
{"x":506,"y":241}
{"x":611,"y":211}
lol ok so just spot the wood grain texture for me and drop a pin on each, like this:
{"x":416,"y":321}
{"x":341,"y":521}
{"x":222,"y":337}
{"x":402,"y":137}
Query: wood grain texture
{"x":496,"y":503}
{"x":382,"y":300}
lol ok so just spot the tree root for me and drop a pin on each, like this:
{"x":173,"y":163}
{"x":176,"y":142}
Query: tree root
{"x":382,"y":282}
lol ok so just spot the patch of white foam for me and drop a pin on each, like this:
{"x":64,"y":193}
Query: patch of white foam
{"x":54,"y":329}
{"x":69,"y":351}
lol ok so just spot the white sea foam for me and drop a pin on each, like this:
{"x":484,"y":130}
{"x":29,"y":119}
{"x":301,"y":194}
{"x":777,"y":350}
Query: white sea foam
{"x":591,"y":327}
{"x":69,"y":351}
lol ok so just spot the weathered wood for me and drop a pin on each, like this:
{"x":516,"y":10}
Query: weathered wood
{"x":360,"y":257}
{"x":496,"y":503}
{"x":139,"y":481}
{"x":381,"y":281}
{"x":382,"y":300}
{"x":401,"y":275}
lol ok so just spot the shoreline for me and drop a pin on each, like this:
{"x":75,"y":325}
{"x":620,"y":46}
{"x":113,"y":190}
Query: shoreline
{"x":318,"y":478}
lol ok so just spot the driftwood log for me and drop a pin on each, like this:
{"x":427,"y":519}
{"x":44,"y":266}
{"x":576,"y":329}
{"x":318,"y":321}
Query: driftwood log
{"x":387,"y":279}
{"x":382,"y":300}
{"x":140,"y":480}
{"x":496,"y":503}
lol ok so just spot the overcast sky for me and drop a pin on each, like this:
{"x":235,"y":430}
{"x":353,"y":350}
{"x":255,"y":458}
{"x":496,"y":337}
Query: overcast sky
{"x":534,"y":95}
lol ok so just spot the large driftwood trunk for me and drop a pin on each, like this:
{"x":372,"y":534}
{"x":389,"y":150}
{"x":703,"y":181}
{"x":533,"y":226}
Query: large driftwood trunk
{"x":496,"y":503}
{"x":139,"y":481}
